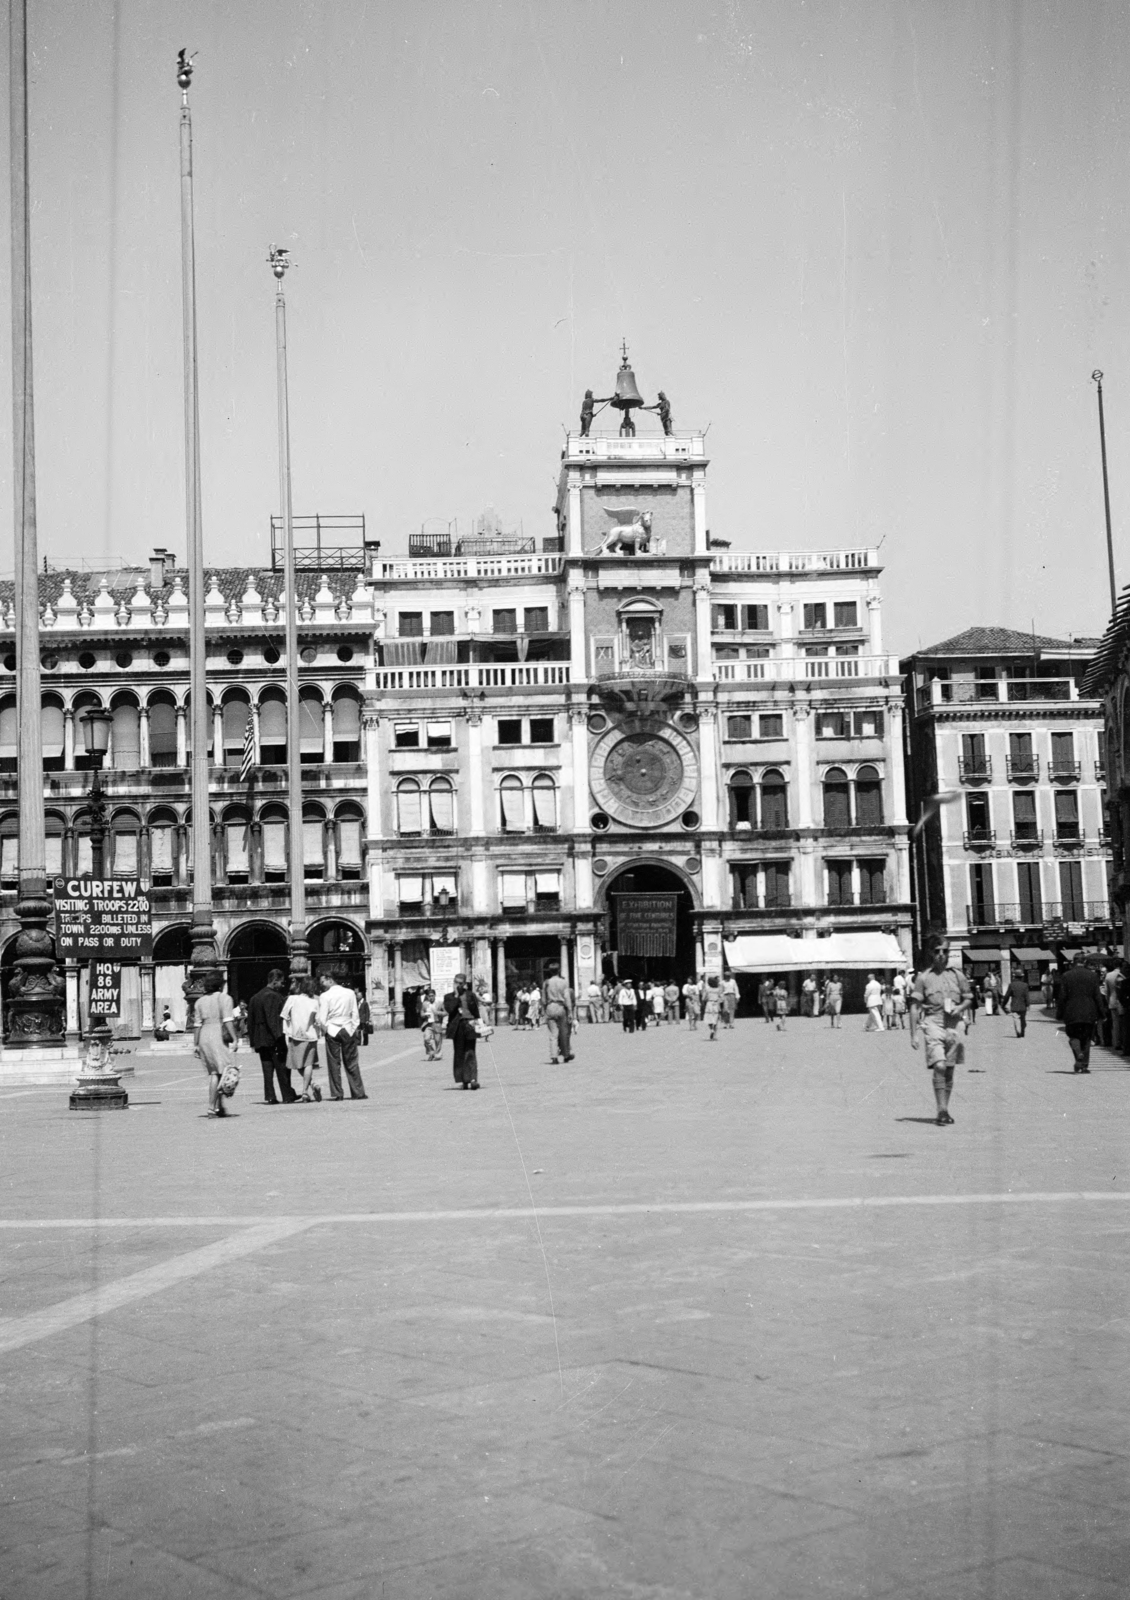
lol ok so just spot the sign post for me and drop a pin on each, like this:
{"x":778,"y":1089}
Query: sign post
{"x":106,"y":921}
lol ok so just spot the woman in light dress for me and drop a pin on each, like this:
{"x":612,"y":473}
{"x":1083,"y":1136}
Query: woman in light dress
{"x":213,"y":1032}
{"x":300,"y":1025}
{"x":712,"y":1005}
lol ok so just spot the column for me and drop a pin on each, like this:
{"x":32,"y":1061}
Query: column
{"x":327,"y":732}
{"x":704,"y":655}
{"x":481,"y":977}
{"x":380,"y":1000}
{"x":180,"y":866}
{"x":255,"y":852}
{"x":788,"y":630}
{"x":217,"y":737}
{"x":574,"y":538}
{"x":585,"y":968}
{"x":144,"y":855}
{"x":579,"y":736}
{"x":475,"y":771}
{"x":501,"y":1008}
{"x":148,"y":997}
{"x":565,"y":958}
{"x":255,"y":731}
{"x":143,"y":736}
{"x":578,"y":639}
{"x":698,"y":501}
{"x":329,"y":850}
{"x":875,"y":624}
{"x":804,"y":776}
{"x":68,"y":740}
{"x":371,"y":749}
{"x":397,"y":996}
{"x":708,"y":757}
{"x":70,"y":851}
{"x":182,"y":740}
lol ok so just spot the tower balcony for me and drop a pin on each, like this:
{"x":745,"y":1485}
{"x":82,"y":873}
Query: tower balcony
{"x":609,"y":446}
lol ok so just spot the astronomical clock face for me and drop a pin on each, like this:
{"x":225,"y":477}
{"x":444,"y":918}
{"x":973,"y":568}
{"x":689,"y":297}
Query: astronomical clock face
{"x":644,"y":779}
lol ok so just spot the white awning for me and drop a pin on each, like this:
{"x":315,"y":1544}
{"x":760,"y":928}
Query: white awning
{"x":776,"y":952}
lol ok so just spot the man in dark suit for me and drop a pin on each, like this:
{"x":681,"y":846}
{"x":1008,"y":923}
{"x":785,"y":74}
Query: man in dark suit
{"x":1079,"y":988}
{"x":265,"y":1034}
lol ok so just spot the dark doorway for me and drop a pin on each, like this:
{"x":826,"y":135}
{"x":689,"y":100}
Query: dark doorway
{"x":652,"y":879}
{"x":253,"y":951}
{"x":338,"y":944}
{"x":526,"y":961}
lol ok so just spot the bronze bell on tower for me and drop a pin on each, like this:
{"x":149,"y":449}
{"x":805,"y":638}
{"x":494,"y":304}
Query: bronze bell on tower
{"x":627,"y":396}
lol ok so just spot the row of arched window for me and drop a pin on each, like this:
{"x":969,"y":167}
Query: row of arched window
{"x":762,"y":802}
{"x":248,"y":846}
{"x":157,"y":731}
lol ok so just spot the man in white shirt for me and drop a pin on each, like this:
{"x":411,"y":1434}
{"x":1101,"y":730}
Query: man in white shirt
{"x":340,"y":1022}
{"x":873,"y":1000}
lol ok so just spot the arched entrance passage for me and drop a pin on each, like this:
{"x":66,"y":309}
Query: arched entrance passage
{"x":253,"y":951}
{"x":338,"y":943}
{"x":172,"y":956}
{"x":669,"y":927}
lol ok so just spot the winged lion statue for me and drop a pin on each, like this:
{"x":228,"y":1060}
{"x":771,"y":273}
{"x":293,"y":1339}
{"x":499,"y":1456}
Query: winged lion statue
{"x":630,"y":532}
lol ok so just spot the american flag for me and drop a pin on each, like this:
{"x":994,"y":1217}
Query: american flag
{"x":248,"y":760}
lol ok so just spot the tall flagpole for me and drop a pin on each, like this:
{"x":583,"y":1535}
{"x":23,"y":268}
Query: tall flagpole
{"x":34,"y":1014}
{"x":203,"y":932}
{"x":1097,"y":379}
{"x":279,"y":261}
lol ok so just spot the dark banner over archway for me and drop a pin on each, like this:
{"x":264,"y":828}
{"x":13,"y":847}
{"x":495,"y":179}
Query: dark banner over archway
{"x":646,"y":924}
{"x":650,"y":923}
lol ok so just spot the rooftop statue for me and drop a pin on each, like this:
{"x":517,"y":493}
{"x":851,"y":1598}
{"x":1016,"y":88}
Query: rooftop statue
{"x":663,"y":407}
{"x":588,"y":406}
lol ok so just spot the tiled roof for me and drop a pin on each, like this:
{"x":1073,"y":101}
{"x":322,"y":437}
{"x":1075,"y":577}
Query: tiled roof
{"x":998,"y":642}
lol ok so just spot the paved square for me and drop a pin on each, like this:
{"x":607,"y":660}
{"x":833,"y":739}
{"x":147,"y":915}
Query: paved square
{"x":679,"y":1320}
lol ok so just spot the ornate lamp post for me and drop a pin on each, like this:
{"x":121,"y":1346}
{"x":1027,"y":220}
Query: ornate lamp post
{"x":278,"y":261}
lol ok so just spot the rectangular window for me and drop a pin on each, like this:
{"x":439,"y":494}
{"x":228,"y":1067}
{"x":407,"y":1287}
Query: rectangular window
{"x":406,"y":735}
{"x":505,"y":620}
{"x":512,"y":891}
{"x":815,"y":616}
{"x":441,"y":800}
{"x":755,"y":619}
{"x":977,"y":816}
{"x":839,"y":883}
{"x":985,"y":686}
{"x":535,"y":619}
{"x":547,"y":890}
{"x":313,"y":860}
{"x":349,"y":847}
{"x":771,"y":726}
{"x":868,"y":724}
{"x":846,"y":614}
{"x":1067,"y":814}
{"x":410,"y":625}
{"x":981,"y":901}
{"x":545,"y":806}
{"x":1031,"y":895}
{"x":1024,"y":814}
{"x":542,"y":730}
{"x":847,"y":650}
{"x":1063,"y":748}
{"x":973,"y":754}
{"x":410,"y":895}
{"x":441,"y":623}
{"x":724,"y":619}
{"x":743,"y":882}
{"x":776,"y":876}
{"x":236,"y":851}
{"x":438,"y":735}
{"x":873,"y":883}
{"x":739,"y":727}
{"x":813,"y":650}
{"x":509,"y":730}
{"x":742,"y":800}
{"x":161,"y":852}
{"x":833,"y":725}
{"x":513,"y":800}
{"x":1071,"y":890}
{"x":274,"y":851}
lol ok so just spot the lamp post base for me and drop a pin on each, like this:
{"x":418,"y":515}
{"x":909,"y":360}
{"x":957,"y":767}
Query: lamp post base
{"x":105,"y":1094}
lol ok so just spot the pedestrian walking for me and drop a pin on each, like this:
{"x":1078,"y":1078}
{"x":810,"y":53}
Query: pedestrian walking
{"x":432,"y":1021}
{"x":299,"y":1020}
{"x":898,"y":992}
{"x":833,"y":999}
{"x":341,"y":1028}
{"x":780,"y":1004}
{"x":626,"y":1002}
{"x":266,"y":1037}
{"x":712,"y":1006}
{"x":873,"y":1000}
{"x":671,"y":1001}
{"x":977,"y":995}
{"x":1016,"y":1002}
{"x":992,"y":993}
{"x":765,"y":998}
{"x":213,"y":1031}
{"x":940,"y":1001}
{"x":534,"y":1007}
{"x":888,"y":1007}
{"x":606,"y":993}
{"x":365,"y":1014}
{"x":730,"y":998}
{"x":461,"y":1007}
{"x":558,"y":998}
{"x":658,"y":1003}
{"x":521,"y":1008}
{"x":1081,"y":999}
{"x":692,"y":1003}
{"x":1114,"y":990}
{"x":808,"y":996}
{"x":596,"y":1004}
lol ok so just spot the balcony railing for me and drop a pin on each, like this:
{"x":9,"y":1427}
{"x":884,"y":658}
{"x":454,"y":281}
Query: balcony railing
{"x":796,"y":561}
{"x":1040,"y":689}
{"x":1063,"y":771}
{"x":792,"y":669}
{"x":1007,"y":914}
{"x":979,"y":838}
{"x":486,"y":677}
{"x":1022,"y":769}
{"x":1027,"y":839}
{"x":1069,"y":836}
{"x":454,"y":569}
{"x":979,"y":770}
{"x":1096,"y":911}
{"x":970,"y":691}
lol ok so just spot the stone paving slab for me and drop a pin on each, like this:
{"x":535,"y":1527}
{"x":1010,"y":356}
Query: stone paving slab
{"x":875,"y":1374}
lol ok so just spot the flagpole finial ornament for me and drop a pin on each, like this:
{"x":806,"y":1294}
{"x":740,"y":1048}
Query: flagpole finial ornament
{"x":184,"y":69}
{"x":278,"y":260}
{"x":1097,"y":376}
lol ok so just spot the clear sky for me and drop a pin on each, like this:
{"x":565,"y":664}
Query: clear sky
{"x":877,"y":247}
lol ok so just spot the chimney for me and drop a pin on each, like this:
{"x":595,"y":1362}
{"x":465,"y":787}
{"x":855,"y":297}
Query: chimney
{"x":157,"y":563}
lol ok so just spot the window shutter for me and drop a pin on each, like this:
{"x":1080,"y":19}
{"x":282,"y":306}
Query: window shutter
{"x":442,"y":801}
{"x":161,"y":849}
{"x":347,"y":718}
{"x":235,"y":837}
{"x":513,"y":807}
{"x":349,"y":848}
{"x":274,"y":846}
{"x":512,"y":889}
{"x":9,"y":726}
{"x":272,"y":722}
{"x":545,"y":803}
{"x":408,"y":809}
{"x":51,"y":724}
{"x":311,"y":737}
{"x":312,"y":844}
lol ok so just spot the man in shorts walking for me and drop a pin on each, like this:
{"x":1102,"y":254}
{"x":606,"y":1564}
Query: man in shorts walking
{"x":939,"y":1009}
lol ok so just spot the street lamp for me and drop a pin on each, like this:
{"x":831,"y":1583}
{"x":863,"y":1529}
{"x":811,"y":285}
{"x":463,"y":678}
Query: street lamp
{"x":96,"y":725}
